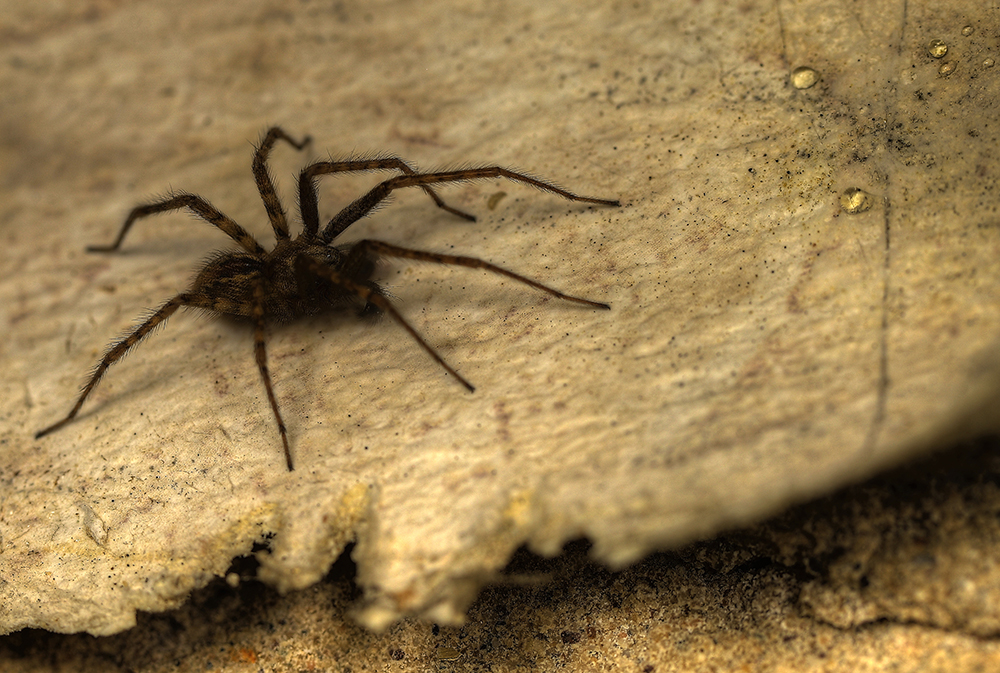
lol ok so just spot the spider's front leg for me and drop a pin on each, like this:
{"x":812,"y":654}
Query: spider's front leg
{"x":309,"y":204}
{"x":265,"y":183}
{"x":364,"y":205}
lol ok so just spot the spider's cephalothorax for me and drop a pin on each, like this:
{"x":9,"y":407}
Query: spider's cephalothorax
{"x":305,"y":275}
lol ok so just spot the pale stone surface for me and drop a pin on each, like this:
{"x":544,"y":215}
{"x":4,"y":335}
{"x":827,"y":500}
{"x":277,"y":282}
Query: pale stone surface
{"x":764,"y":344}
{"x":740,"y":602}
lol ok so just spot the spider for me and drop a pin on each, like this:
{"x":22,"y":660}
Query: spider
{"x":308,"y":274}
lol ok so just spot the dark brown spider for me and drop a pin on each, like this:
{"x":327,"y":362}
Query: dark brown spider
{"x":306,"y":275}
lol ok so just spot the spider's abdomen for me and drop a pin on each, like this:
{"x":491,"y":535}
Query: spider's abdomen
{"x":225,"y":284}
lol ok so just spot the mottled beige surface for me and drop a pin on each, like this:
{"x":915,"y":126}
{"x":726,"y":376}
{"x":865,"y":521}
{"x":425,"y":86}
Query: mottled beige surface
{"x":741,"y":602}
{"x":764,"y":345}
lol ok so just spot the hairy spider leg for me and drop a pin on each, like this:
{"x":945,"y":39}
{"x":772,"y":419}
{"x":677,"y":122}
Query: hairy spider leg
{"x":389,"y":250}
{"x":260,"y":354}
{"x":372,"y":295}
{"x":308,"y":202}
{"x":265,"y":183}
{"x":362,"y":206}
{"x":120,"y":349}
{"x":196,"y":205}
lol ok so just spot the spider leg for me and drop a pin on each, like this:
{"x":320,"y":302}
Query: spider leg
{"x":265,"y":183}
{"x":196,"y":205}
{"x":117,"y":351}
{"x":388,"y":250}
{"x":260,"y":355}
{"x":372,"y":295}
{"x":307,"y":185}
{"x":362,"y":206}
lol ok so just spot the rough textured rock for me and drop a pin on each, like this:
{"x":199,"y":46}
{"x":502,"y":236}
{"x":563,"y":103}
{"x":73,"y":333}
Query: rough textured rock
{"x":742,"y":601}
{"x":770,"y":339}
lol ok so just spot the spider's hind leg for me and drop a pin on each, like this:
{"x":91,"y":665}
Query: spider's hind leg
{"x":117,"y":351}
{"x":372,"y":295}
{"x":260,"y":355}
{"x":369,"y":247}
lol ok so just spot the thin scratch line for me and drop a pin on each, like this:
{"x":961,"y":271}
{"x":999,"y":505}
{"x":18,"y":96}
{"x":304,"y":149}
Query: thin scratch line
{"x":878,"y":421}
{"x":902,"y":27}
{"x":781,"y":31}
{"x":883,"y":374}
